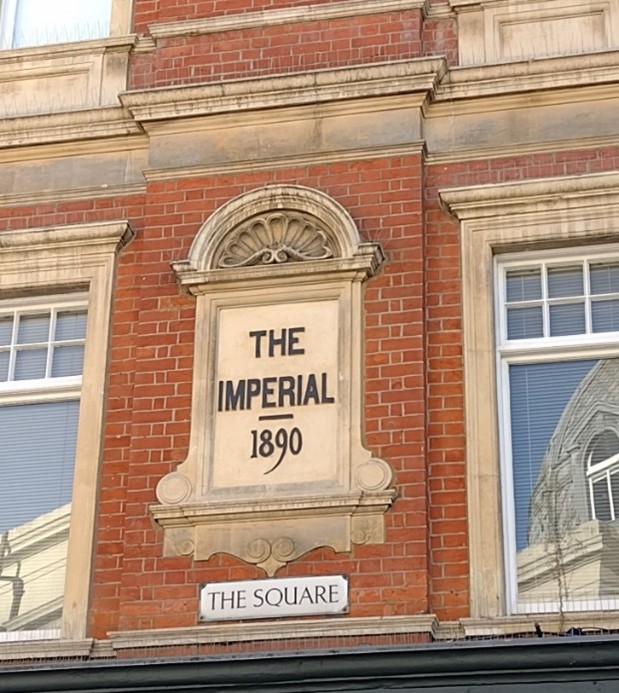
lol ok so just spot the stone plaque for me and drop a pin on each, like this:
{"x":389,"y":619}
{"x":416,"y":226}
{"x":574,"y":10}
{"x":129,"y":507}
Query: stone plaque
{"x":276,"y":395}
{"x":306,"y":596}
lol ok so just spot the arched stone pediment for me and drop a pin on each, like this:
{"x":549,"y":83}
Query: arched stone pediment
{"x":275,"y":238}
{"x":276,"y":227}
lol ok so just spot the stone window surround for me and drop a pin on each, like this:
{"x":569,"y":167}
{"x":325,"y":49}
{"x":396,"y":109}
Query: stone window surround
{"x":65,"y":259}
{"x":524,"y":215}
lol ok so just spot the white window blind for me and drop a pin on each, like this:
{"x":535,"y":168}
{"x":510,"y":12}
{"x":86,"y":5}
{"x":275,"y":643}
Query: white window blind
{"x":41,"y":356}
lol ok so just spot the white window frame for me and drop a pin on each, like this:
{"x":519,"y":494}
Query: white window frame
{"x":120,"y":22}
{"x":61,"y":260}
{"x":39,"y":390}
{"x":47,"y":388}
{"x":547,"y":349}
{"x":495,"y":219}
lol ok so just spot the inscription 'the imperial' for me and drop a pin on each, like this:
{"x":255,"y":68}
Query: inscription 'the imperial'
{"x":283,"y":391}
{"x":271,"y":419}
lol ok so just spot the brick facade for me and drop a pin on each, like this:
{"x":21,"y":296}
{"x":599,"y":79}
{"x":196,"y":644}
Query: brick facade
{"x":387,"y":174}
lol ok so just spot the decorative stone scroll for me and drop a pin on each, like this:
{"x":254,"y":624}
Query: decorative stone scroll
{"x":276,"y":464}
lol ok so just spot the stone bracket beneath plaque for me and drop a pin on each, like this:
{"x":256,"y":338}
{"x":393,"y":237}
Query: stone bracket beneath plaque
{"x":276,"y":464}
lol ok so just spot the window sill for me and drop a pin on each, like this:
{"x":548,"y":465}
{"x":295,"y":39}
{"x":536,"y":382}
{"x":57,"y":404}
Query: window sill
{"x":50,"y":50}
{"x":588,"y":622}
{"x":15,"y":650}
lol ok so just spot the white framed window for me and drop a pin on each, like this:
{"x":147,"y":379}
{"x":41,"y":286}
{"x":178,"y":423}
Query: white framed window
{"x":525,"y":226}
{"x":40,"y":22}
{"x":557,"y":317}
{"x":558,"y":359}
{"x":41,"y":360}
{"x":56,"y":285}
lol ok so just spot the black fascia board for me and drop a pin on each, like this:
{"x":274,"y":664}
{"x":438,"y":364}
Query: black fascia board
{"x":431,"y":667}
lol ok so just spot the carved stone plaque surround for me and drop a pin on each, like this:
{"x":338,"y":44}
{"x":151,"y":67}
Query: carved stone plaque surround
{"x":276,"y":465}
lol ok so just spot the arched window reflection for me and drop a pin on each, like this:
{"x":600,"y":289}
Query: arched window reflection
{"x":603,"y":476}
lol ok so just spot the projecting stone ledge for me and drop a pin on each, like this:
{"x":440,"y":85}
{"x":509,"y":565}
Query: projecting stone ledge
{"x":271,"y":535}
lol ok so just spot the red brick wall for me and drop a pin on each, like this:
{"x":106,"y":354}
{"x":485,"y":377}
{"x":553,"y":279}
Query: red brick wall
{"x":413,"y":381}
{"x":148,"y":421}
{"x":413,"y":375}
{"x":151,"y":11}
{"x":270,"y":50}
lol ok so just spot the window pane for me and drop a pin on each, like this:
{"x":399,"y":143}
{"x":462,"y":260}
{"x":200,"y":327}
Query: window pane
{"x":36,"y":465}
{"x":36,"y":459}
{"x":70,"y":325}
{"x":30,"y":364}
{"x":567,"y":319}
{"x":601,"y":500}
{"x":604,"y":278}
{"x":564,"y":281}
{"x":39,"y":22}
{"x":6,"y":329}
{"x":68,"y":360}
{"x":603,"y":446}
{"x":605,"y":316}
{"x":4,"y":366}
{"x":33,"y":328}
{"x":525,"y":323}
{"x":523,"y":285}
{"x":539,"y":394}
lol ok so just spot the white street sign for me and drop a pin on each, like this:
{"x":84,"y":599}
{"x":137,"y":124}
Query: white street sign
{"x":274,"y":598}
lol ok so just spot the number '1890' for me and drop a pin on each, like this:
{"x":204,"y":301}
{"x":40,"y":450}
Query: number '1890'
{"x":264,"y":443}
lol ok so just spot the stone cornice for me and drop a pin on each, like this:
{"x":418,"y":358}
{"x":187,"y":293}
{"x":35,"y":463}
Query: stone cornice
{"x":275,"y":630}
{"x":504,"y":150}
{"x":34,"y":650}
{"x":319,"y":86}
{"x":424,"y":82}
{"x":526,"y":76}
{"x":90,"y":193}
{"x":482,"y":201}
{"x":528,"y":624}
{"x":287,"y":15}
{"x":104,"y":235}
{"x":67,"y":126}
{"x":19,"y":55}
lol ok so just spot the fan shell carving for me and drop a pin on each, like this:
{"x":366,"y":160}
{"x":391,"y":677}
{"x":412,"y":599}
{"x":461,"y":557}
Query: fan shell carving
{"x":276,"y":239}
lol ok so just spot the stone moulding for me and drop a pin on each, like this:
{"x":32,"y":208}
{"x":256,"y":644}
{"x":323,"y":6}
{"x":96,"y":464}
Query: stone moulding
{"x":413,"y":77}
{"x":289,"y":258}
{"x":213,"y":633}
{"x":66,"y":77}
